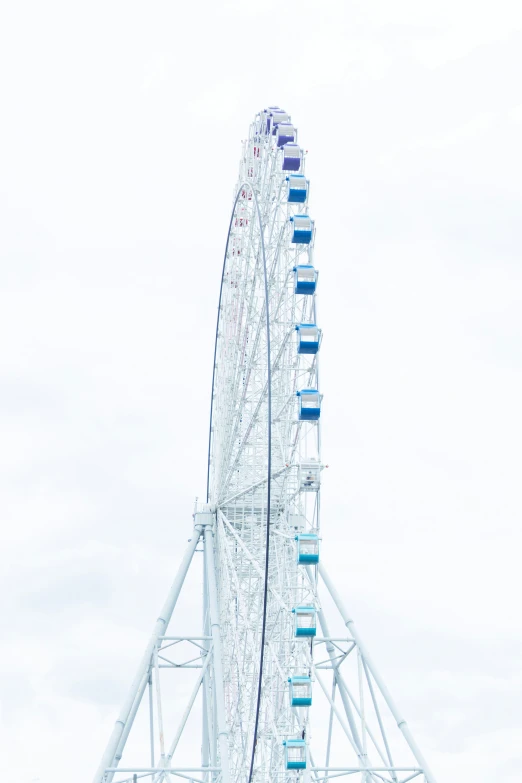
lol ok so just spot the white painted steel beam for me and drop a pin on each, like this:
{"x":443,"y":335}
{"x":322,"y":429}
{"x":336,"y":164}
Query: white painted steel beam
{"x":215,"y":629}
{"x":130,"y":706}
{"x":401,"y":723}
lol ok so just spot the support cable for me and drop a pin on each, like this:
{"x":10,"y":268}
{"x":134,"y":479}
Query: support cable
{"x":268,"y":498}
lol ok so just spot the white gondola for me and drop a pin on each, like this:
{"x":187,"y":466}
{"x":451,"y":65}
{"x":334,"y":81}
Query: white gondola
{"x":300,"y":691}
{"x":305,"y":623}
{"x":295,"y":753}
{"x":298,"y":187}
{"x":309,"y":476}
{"x":241,"y":219}
{"x":308,"y":338}
{"x":305,"y":279}
{"x":302,"y":229}
{"x":307,"y":548}
{"x":236,"y":245}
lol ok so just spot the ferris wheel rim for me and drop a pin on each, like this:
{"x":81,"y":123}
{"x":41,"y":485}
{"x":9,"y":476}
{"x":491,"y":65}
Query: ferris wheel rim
{"x":267,"y":311}
{"x":268,"y":252}
{"x":269,"y":445}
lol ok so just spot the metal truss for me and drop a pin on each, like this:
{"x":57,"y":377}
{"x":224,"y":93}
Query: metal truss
{"x":352,"y":725}
{"x":356,"y":697}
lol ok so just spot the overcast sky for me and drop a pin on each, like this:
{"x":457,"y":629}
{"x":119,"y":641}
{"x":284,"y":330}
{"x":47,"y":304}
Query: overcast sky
{"x":120,"y":138}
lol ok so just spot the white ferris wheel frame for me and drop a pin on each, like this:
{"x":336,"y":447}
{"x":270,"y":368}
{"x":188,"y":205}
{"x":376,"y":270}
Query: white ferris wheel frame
{"x":263,"y":504}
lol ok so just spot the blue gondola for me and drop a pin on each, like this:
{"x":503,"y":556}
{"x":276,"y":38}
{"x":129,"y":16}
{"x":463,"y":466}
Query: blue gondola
{"x":309,"y":405}
{"x":308,"y":338}
{"x":305,"y":279}
{"x":285,"y":132}
{"x":300,"y":691}
{"x":305,"y":622}
{"x":307,"y":548}
{"x":297,"y":188}
{"x":295,"y":753}
{"x":291,"y":157}
{"x":302,"y":229}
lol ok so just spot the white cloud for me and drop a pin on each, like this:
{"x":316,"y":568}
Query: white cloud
{"x":119,"y":151}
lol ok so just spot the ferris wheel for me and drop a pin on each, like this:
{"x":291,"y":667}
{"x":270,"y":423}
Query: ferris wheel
{"x":277,"y":695}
